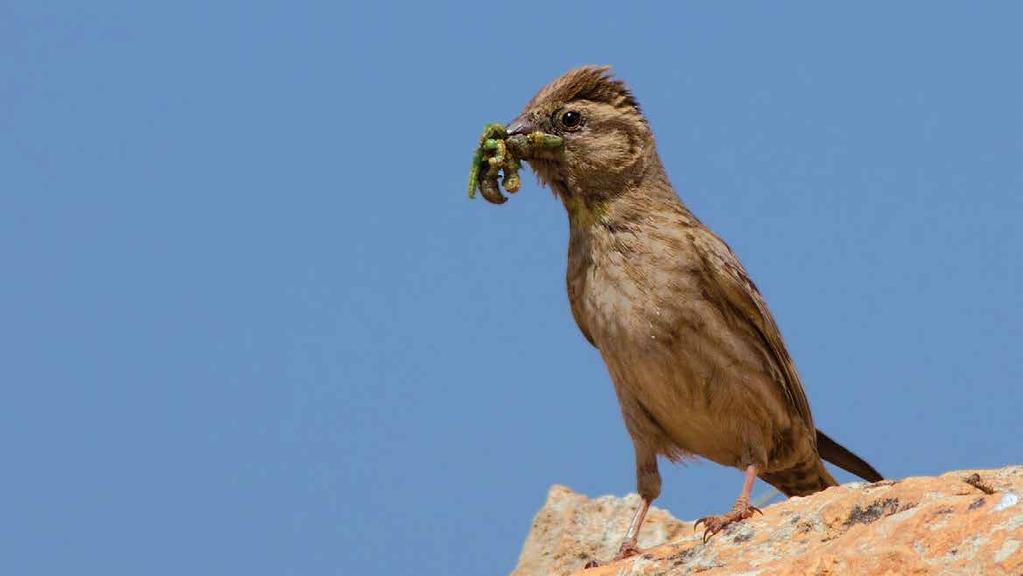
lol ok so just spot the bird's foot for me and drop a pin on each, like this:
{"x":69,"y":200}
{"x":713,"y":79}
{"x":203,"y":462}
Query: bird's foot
{"x":714,"y":524}
{"x":627,"y":549}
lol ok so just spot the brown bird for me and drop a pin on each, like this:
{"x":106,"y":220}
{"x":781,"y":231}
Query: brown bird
{"x":697,"y":361}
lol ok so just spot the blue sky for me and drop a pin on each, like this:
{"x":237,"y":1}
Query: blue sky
{"x":251,"y":324}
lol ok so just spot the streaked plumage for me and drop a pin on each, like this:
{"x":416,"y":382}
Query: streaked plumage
{"x":698,"y":363}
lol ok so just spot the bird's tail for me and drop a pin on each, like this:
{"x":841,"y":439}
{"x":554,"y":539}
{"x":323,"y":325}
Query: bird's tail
{"x":810,"y":476}
{"x":839,"y":456}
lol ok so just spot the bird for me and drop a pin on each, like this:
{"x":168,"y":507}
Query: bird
{"x":697,"y":361}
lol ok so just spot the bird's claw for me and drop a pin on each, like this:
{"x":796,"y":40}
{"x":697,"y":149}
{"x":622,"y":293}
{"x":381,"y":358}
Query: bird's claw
{"x":714,"y":524}
{"x":627,"y":549}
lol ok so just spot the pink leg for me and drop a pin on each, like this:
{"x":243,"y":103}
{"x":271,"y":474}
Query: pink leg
{"x":629,"y":546}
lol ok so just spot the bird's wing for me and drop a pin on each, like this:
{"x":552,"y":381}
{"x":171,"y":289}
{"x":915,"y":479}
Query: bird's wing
{"x":730,"y":286}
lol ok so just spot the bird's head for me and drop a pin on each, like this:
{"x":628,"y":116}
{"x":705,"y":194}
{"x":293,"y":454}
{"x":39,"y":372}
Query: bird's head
{"x":607,"y":142}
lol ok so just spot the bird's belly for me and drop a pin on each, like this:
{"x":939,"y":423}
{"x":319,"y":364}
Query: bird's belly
{"x":701,"y":400}
{"x":686,"y":379}
{"x":683,"y":409}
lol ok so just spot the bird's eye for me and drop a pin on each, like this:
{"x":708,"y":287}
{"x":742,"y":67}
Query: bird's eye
{"x":571,"y":119}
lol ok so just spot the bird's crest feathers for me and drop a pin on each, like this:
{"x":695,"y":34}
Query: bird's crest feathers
{"x":593,"y":83}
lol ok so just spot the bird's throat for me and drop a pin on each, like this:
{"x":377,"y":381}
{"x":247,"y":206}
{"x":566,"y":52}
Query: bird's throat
{"x":584,"y":212}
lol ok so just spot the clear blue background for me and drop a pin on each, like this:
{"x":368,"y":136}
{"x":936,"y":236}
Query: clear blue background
{"x":250,"y":324}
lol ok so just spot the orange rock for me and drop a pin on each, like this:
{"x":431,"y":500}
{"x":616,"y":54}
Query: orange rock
{"x":927,"y":525}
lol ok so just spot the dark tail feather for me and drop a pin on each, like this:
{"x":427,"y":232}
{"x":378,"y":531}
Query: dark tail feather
{"x":839,"y":456}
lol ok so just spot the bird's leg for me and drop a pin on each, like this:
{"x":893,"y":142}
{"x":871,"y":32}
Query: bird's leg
{"x":629,"y":546}
{"x":740,"y":511}
{"x":648,"y":484}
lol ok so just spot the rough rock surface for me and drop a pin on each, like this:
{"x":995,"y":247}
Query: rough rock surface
{"x":927,"y":525}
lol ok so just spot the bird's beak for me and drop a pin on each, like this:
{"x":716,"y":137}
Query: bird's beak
{"x":520,"y":125}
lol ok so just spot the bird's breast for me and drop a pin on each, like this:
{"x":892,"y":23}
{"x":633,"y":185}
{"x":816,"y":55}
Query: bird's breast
{"x":669,"y":350}
{"x":626,"y":289}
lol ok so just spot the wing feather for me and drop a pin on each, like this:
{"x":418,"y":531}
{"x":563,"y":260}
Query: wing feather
{"x":730,"y":284}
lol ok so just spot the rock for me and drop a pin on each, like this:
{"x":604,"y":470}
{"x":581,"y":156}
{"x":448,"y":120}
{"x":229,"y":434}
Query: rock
{"x":968,"y":522}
